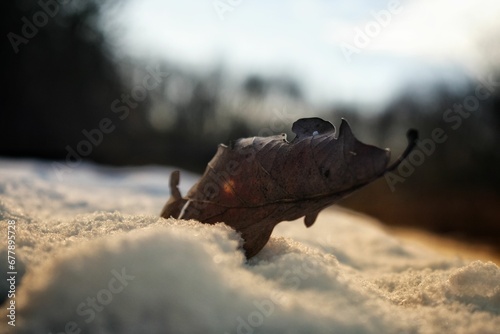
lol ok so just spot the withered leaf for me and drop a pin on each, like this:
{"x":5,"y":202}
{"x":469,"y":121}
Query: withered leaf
{"x":259,"y":182}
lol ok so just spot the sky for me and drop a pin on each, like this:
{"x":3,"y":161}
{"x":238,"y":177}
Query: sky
{"x":339,"y":52}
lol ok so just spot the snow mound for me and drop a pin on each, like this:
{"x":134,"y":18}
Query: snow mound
{"x":476,"y":279}
{"x":99,"y":259}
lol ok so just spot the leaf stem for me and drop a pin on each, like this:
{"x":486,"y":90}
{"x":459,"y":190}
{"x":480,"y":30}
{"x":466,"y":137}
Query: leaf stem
{"x":412,"y":136}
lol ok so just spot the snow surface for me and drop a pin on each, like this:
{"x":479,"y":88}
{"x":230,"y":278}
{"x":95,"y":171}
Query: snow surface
{"x":98,"y":259}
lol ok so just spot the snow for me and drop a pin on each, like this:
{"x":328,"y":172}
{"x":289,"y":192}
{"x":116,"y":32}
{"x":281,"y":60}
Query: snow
{"x":98,"y":259}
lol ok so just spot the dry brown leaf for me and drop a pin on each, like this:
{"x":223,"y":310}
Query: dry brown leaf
{"x":258,"y":182}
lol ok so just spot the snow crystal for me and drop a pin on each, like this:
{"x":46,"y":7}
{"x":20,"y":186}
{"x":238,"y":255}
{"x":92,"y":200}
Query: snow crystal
{"x":99,"y":259}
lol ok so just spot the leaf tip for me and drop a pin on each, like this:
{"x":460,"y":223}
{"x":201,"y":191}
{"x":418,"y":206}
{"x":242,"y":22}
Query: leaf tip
{"x":174,"y":183}
{"x":175,"y":202}
{"x":310,"y":218}
{"x":345,"y":129}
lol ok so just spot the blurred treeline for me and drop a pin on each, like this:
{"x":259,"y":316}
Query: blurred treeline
{"x":66,"y":78}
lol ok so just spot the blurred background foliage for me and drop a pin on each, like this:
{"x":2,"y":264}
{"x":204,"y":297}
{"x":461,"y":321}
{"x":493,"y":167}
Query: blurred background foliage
{"x":64,"y":80}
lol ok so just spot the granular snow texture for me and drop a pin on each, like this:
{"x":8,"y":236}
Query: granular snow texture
{"x":98,"y":259}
